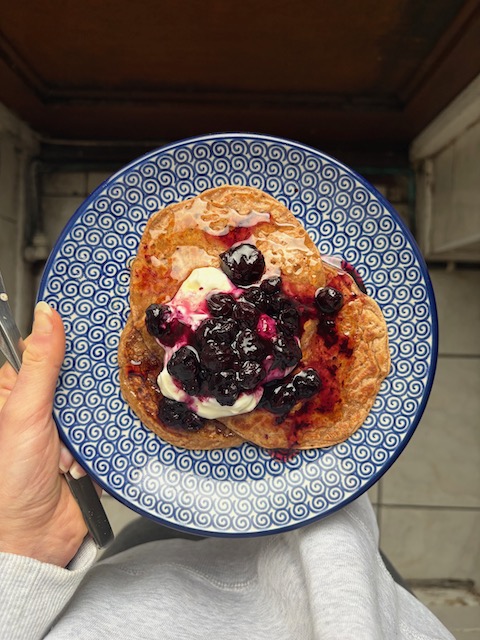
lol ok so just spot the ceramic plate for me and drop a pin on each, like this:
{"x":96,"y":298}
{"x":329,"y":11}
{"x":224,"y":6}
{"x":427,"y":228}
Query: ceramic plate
{"x":241,"y":491}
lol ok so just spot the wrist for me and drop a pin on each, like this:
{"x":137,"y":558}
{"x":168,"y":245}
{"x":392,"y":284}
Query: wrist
{"x":49,"y":550}
{"x":50,"y":532}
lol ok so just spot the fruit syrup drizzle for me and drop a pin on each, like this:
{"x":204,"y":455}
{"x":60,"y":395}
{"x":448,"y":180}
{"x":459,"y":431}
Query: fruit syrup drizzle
{"x":333,"y":347}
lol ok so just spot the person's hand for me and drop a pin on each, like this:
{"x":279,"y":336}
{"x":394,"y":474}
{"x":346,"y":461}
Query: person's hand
{"x":39,"y":517}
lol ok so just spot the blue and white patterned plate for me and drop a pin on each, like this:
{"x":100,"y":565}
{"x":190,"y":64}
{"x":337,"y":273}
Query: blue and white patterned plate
{"x":241,"y":491}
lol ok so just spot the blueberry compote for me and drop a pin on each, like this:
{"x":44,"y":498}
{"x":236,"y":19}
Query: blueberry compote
{"x":184,"y":366}
{"x":329,"y":301}
{"x":177,"y":414}
{"x":280,"y":397}
{"x":247,"y":337}
{"x":246,"y":340}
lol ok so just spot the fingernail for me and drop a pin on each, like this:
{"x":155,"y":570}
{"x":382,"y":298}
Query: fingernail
{"x":43,"y":318}
{"x":66,"y":459}
{"x":76,"y":471}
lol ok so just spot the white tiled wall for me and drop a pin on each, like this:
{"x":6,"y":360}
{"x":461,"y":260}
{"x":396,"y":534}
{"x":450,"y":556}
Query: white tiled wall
{"x":428,"y":503}
{"x":446,"y":157}
{"x":430,"y":499}
{"x":456,"y":192}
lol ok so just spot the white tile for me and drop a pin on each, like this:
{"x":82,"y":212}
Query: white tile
{"x":442,"y":221}
{"x":64,"y":183}
{"x":118,"y":514}
{"x":374,"y":496}
{"x":57,"y":211}
{"x":441,"y":464}
{"x":458,"y":304}
{"x":432,"y":543}
{"x":95,"y":178}
{"x":466,"y":191}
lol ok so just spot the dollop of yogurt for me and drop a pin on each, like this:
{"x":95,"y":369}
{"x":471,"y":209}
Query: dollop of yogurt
{"x":190,"y":301}
{"x":189,"y":305}
{"x":207,"y":407}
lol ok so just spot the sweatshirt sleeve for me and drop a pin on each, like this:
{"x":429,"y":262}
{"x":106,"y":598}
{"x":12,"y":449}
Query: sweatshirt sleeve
{"x":33,"y":593}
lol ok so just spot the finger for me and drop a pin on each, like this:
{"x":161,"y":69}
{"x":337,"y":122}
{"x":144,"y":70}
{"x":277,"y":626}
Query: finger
{"x":76,"y":471}
{"x":8,"y":377}
{"x":66,"y":459}
{"x":68,"y":463}
{"x":31,"y":399}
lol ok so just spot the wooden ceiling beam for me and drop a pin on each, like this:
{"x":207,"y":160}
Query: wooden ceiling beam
{"x":378,"y":119}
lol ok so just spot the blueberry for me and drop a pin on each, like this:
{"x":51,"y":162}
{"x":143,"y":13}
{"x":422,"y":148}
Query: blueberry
{"x":286,"y":351}
{"x":184,"y":366}
{"x":250,"y":374}
{"x":220,"y":304}
{"x":157,"y":316}
{"x":279,"y":398}
{"x":244,"y":264}
{"x":271,"y":285}
{"x":246,"y":314}
{"x":327,"y":329}
{"x":273,"y":306}
{"x":216,"y":356}
{"x":160,"y":324}
{"x":255,"y":296}
{"x":248,"y":346}
{"x":217,"y":329}
{"x":289,"y":320}
{"x":278,"y":303}
{"x":329,"y":300}
{"x":307,"y":383}
{"x":224,"y":387}
{"x":177,"y":414}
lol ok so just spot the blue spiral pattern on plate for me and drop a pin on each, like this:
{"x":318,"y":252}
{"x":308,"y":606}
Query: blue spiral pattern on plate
{"x":240,"y":491}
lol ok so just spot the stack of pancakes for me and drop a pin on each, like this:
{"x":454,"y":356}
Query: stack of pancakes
{"x":193,"y":234}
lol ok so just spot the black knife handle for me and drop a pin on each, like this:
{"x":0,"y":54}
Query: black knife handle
{"x":84,"y":492}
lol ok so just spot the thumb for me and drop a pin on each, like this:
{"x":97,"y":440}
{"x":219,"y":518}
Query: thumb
{"x":33,"y":393}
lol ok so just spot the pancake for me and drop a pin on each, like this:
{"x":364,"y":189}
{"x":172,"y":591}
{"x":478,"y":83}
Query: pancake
{"x":352,"y":359}
{"x":140,"y":361}
{"x":186,"y":236}
{"x":193,"y":233}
